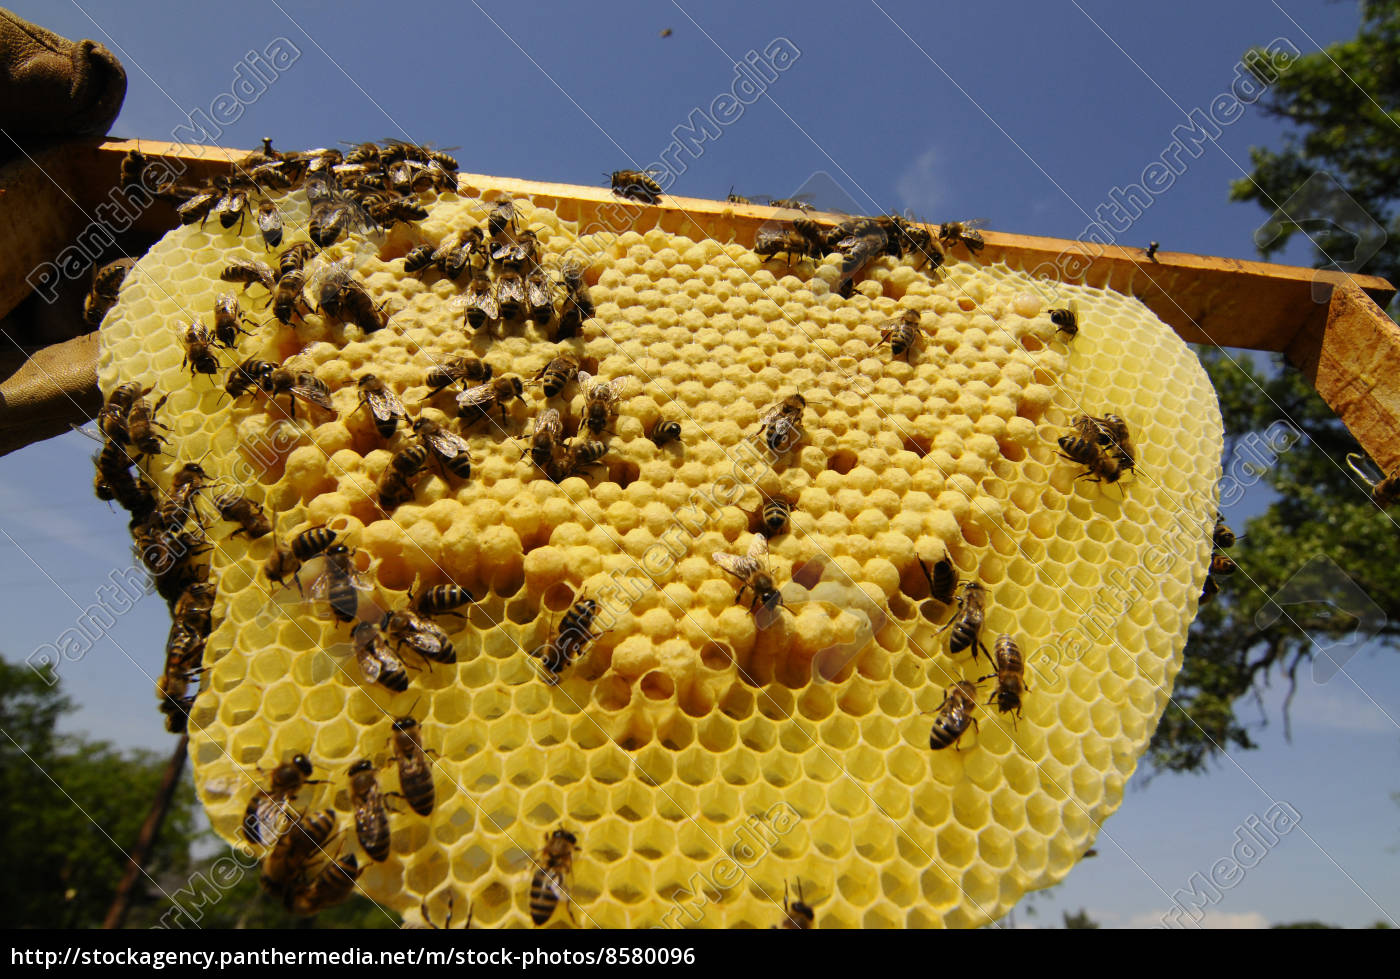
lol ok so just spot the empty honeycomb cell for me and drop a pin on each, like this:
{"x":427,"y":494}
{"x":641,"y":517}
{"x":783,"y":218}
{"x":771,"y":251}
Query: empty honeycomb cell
{"x":954,"y":452}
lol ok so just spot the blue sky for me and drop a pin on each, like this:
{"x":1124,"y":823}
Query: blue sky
{"x":1026,"y":114}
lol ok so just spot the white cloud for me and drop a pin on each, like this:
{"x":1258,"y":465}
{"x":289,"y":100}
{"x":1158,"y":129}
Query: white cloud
{"x":1211,"y":919}
{"x":922,"y":188}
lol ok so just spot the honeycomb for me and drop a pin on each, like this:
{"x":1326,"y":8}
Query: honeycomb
{"x":705,"y":757}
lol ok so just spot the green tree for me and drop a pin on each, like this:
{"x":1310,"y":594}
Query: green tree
{"x":1080,"y":919}
{"x":70,"y":808}
{"x":1344,"y":103}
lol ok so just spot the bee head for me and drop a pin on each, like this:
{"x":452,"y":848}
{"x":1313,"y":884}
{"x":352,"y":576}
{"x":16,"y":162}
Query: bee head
{"x":303,"y":764}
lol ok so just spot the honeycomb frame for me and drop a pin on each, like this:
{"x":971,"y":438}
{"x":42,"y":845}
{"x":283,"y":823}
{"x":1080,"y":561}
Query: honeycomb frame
{"x":703,"y":761}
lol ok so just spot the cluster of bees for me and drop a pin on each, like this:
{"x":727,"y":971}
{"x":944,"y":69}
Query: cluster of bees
{"x":1221,"y":564}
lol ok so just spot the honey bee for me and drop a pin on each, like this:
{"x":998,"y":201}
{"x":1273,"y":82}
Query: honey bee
{"x":331,"y":886}
{"x":102,"y":294}
{"x":378,"y":662}
{"x":574,"y":459}
{"x":780,"y":425}
{"x":733,"y":198}
{"x":791,"y":204}
{"x":1066,"y":319}
{"x":458,"y":370}
{"x":399,"y":476}
{"x":502,"y":217}
{"x":330,"y":217}
{"x":264,"y":810}
{"x":307,"y":836}
{"x":962,"y":232}
{"x":249,"y":272}
{"x":457,"y":252}
{"x":112,"y":419}
{"x":415,"y":774}
{"x":301,"y":385}
{"x":1010,"y":676}
{"x":141,"y":425}
{"x":903,"y":333}
{"x":288,"y":558}
{"x":228,"y":320}
{"x":197,"y":208}
{"x":539,"y":295}
{"x":546,"y":438}
{"x":574,"y":635}
{"x":343,"y":299}
{"x":1385,"y":491}
{"x":287,"y":299}
{"x":636,"y":185}
{"x":510,"y":293}
{"x":556,"y":374}
{"x":172,"y":690}
{"x":771,"y":519}
{"x":790,"y":241}
{"x":177,"y":507}
{"x":1222,"y":565}
{"x":405,"y":627}
{"x":1113,"y":433}
{"x":943,"y":582}
{"x":866,"y":241}
{"x":418,"y":258}
{"x":293,"y":258}
{"x":914,"y":240}
{"x":519,"y":251}
{"x":199,"y":349}
{"x":133,"y":167}
{"x":555,"y":863}
{"x":246,"y":376}
{"x":192,"y":609}
{"x":754,"y":576}
{"x":476,"y":402}
{"x":270,"y":224}
{"x":371,"y":818}
{"x":249,"y":516}
{"x":396,"y":210}
{"x":1100,"y":466}
{"x":339,"y":583}
{"x":384,"y":405}
{"x":440,"y":600}
{"x":1151,"y":252}
{"x":480,"y":300}
{"x":600,"y":401}
{"x":232,"y":205}
{"x":577,"y":305}
{"x":114,"y":474}
{"x":664,"y":431}
{"x":955,"y":715}
{"x":797,"y":916}
{"x":967,"y":623}
{"x":447,"y":447}
{"x":1222,"y":536}
{"x":1209,"y":590}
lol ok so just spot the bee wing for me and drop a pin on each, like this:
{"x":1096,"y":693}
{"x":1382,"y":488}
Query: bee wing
{"x":740,"y":567}
{"x":549,"y":422}
{"x":758,"y":550}
{"x":510,"y":287}
{"x":448,"y":445}
{"x":385,"y":405}
{"x":92,"y":432}
{"x":371,"y":662}
{"x":480,"y":396}
{"x":322,"y":272}
{"x":612,"y":391}
{"x":585,"y":382}
{"x":539,"y":288}
{"x":973,"y":223}
{"x":312,"y":395}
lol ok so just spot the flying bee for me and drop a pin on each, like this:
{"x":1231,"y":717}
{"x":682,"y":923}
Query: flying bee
{"x":539,"y":295}
{"x":568,"y":643}
{"x":772,"y":518}
{"x":903,"y":333}
{"x":197,"y":208}
{"x":1385,"y":491}
{"x":249,"y":516}
{"x":1010,"y":676}
{"x":458,"y":370}
{"x":440,"y":600}
{"x":754,"y":576}
{"x":418,"y":258}
{"x":228,"y":320}
{"x":476,"y":402}
{"x":510,"y":293}
{"x":287,"y":298}
{"x":502,"y":216}
{"x":554,"y":863}
{"x":664,"y":431}
{"x":480,"y":300}
{"x":790,"y":241}
{"x":636,"y":185}
{"x":307,"y":836}
{"x":965,"y":233}
{"x":600,"y":401}
{"x":450,"y":450}
{"x":270,"y":224}
{"x":1223,"y":537}
{"x":339,"y":583}
{"x":556,"y":374}
{"x":249,"y":272}
{"x":246,"y":376}
{"x":293,"y":258}
{"x":943,"y":582}
{"x":1209,"y":590}
{"x":1100,"y":466}
{"x":378,"y":662}
{"x":199,"y":349}
{"x":546,"y":438}
{"x":415,"y":774}
{"x":384,"y":405}
{"x":405,"y":627}
{"x":141,"y":426}
{"x":797,"y":916}
{"x":333,"y":884}
{"x":1222,"y":565}
{"x":301,"y":385}
{"x":780,"y":426}
{"x":371,"y":818}
{"x":1066,"y":319}
{"x":329,"y":220}
{"x":967,"y":623}
{"x":955,"y":715}
{"x":264,"y":806}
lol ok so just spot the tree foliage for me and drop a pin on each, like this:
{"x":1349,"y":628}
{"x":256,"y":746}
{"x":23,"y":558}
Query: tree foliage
{"x":1321,"y":543}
